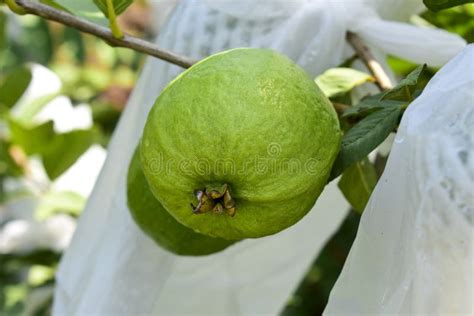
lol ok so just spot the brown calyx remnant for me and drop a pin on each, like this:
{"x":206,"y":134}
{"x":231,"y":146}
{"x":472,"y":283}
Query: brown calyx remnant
{"x":212,"y":200}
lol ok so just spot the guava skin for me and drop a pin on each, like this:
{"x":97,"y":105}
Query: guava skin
{"x":253,"y":110}
{"x":158,"y":224}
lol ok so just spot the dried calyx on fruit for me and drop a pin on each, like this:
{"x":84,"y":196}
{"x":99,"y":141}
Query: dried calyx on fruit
{"x":217,"y":201}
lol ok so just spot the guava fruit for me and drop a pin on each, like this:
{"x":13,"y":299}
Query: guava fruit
{"x":240,"y":145}
{"x":158,"y":224}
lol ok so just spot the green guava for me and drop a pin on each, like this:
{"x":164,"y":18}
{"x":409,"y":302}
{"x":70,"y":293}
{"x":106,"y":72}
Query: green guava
{"x":240,"y":145}
{"x":158,"y":224}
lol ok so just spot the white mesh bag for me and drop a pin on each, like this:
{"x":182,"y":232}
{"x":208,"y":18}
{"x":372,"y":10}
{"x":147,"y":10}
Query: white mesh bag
{"x":313,"y":32}
{"x":414,"y":248}
{"x":112,"y":268}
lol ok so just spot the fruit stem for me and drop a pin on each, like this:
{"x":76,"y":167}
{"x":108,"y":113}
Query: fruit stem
{"x":214,"y":200}
{"x":15,"y":7}
{"x":114,"y":27}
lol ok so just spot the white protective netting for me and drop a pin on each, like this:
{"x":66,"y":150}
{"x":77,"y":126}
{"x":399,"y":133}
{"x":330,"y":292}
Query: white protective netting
{"x":414,"y":248}
{"x":111,"y":267}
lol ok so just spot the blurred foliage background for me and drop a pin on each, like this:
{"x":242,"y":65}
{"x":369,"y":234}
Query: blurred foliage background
{"x":81,"y":78}
{"x":40,"y":144}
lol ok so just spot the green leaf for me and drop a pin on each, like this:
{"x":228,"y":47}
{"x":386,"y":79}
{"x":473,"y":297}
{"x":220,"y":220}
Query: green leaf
{"x":459,"y":20}
{"x":371,"y":104}
{"x":400,"y":67}
{"x":8,"y":167}
{"x":357,"y":183}
{"x":75,"y":43}
{"x":364,"y":137}
{"x":34,"y":139}
{"x":65,"y":149}
{"x":53,"y":203}
{"x":337,"y":81}
{"x":58,"y":151}
{"x":119,"y":5}
{"x":39,"y":275}
{"x":401,"y":95}
{"x":436,"y":5}
{"x":32,"y":43}
{"x":3,"y":30}
{"x":405,"y":89}
{"x":55,"y":5}
{"x":14,"y":85}
{"x":85,"y":9}
{"x":27,"y":111}
{"x":14,"y":295}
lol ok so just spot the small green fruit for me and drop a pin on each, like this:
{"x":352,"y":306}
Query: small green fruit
{"x":158,"y":224}
{"x":246,"y":138}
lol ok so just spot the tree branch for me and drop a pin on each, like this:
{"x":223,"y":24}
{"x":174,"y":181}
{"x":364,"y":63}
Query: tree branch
{"x":104,"y":33}
{"x":143,"y":46}
{"x":364,"y":53}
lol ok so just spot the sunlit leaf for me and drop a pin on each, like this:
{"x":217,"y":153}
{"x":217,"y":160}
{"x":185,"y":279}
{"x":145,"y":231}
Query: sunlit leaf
{"x":119,"y":5}
{"x":8,"y":167}
{"x":32,"y":139}
{"x":85,"y":9}
{"x":55,"y":5}
{"x":54,"y":202}
{"x":357,"y":183}
{"x":400,"y":67}
{"x":58,"y":151}
{"x":39,"y":274}
{"x":337,"y":81}
{"x":28,"y":110}
{"x":13,"y":296}
{"x":65,"y":149}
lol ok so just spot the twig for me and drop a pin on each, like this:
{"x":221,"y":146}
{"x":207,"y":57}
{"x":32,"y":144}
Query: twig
{"x":148,"y":48}
{"x":114,"y":27}
{"x":364,"y":53}
{"x":127,"y":41}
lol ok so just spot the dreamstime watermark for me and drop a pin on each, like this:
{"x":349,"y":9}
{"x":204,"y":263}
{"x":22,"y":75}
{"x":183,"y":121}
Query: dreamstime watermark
{"x":273,"y":162}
